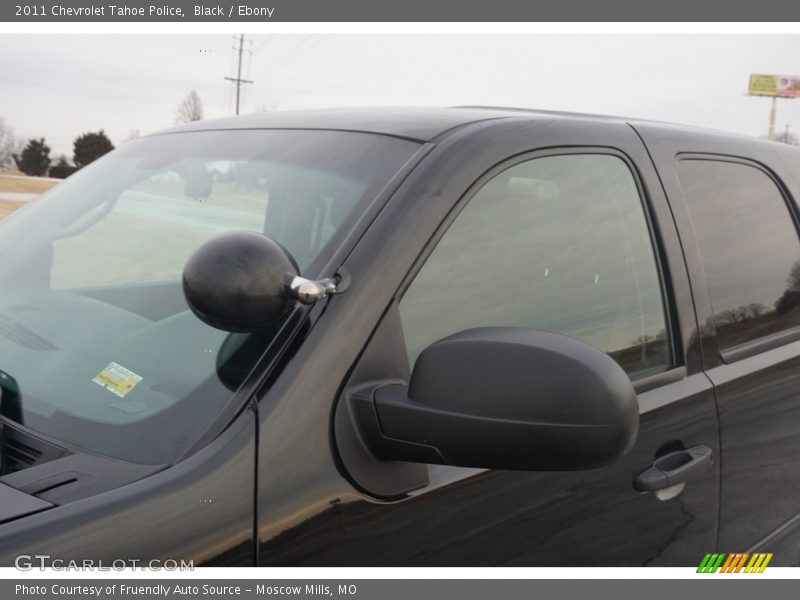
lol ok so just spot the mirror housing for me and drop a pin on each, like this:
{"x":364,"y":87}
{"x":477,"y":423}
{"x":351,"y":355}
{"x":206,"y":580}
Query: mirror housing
{"x":239,"y":281}
{"x":198,"y":181}
{"x":503,"y":398}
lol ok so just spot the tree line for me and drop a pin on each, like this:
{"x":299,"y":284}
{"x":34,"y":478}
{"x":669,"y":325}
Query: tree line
{"x":33,"y":157}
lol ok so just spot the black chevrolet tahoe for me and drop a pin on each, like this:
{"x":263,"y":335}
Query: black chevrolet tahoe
{"x":464,"y":336}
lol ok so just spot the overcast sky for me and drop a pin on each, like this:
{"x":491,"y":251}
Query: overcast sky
{"x":58,"y":86}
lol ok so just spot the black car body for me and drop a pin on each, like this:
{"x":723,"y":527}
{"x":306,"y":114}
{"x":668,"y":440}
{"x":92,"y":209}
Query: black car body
{"x":673,"y":250}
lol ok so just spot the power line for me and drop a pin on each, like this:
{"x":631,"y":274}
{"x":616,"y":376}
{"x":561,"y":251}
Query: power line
{"x":229,"y":95}
{"x":249,"y":57}
{"x":292,"y":53}
{"x":300,"y":52}
{"x":238,"y":81}
{"x":264,"y":43}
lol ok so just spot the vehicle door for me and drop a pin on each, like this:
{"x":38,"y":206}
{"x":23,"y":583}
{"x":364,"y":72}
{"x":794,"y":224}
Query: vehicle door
{"x":735,"y":205}
{"x":542,"y":223}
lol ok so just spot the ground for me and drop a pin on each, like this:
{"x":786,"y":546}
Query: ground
{"x":15,"y":186}
{"x":7,"y":207}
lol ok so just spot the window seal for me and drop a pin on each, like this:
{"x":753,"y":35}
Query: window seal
{"x":651,"y":382}
{"x":759,"y":345}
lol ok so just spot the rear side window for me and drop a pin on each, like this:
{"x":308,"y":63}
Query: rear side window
{"x":749,"y":245}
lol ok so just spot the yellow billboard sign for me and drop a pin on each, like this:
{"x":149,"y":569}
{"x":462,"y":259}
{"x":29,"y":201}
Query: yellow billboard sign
{"x":782,"y":86}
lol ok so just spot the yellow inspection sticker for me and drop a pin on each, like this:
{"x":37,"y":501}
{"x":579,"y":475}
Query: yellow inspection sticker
{"x":117,"y":379}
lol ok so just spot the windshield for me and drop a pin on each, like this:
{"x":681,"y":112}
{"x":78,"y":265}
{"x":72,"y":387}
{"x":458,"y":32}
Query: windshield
{"x":97,"y":346}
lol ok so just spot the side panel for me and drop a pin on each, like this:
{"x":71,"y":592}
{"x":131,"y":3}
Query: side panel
{"x":589,"y":518}
{"x":200,"y":510}
{"x":758,"y":392}
{"x":310,"y":514}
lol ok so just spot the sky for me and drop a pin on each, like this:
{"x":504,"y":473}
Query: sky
{"x":60,"y":86}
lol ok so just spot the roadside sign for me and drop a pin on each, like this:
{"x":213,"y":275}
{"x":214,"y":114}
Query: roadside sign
{"x":780,"y":86}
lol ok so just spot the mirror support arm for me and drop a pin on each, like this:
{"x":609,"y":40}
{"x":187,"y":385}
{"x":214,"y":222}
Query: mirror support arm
{"x":309,"y":291}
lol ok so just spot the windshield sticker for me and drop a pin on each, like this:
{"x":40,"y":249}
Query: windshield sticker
{"x":117,"y":379}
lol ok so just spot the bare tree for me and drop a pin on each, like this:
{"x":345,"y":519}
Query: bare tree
{"x":9,"y":144}
{"x":794,"y":276}
{"x":790,"y":299}
{"x":190,"y":109}
{"x":133,"y":133}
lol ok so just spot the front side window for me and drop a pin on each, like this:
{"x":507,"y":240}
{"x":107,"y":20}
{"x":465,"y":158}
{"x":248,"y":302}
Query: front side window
{"x":749,"y":245}
{"x":98,"y":347}
{"x":557,"y":243}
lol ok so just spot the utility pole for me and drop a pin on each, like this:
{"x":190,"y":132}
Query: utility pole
{"x":238,"y":79}
{"x":770,"y":136}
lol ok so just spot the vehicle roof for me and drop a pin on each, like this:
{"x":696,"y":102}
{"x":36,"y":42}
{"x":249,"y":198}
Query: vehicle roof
{"x":415,"y":123}
{"x":419,"y":124}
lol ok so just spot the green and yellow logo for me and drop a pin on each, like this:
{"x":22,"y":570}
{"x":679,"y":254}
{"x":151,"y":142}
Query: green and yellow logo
{"x":735,"y":562}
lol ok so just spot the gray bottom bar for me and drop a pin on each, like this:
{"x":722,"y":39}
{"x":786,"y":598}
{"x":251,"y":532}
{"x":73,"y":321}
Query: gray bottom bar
{"x":709,"y":586}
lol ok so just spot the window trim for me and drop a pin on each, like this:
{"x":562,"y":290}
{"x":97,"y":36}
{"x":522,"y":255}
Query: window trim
{"x":675,"y":369}
{"x":735,"y":353}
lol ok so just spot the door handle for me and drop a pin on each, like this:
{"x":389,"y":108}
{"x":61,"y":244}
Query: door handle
{"x":675,"y":468}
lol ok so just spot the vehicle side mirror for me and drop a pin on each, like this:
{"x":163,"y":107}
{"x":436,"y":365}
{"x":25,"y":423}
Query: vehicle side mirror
{"x":199,"y":183}
{"x":503,"y":398}
{"x":238,"y":281}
